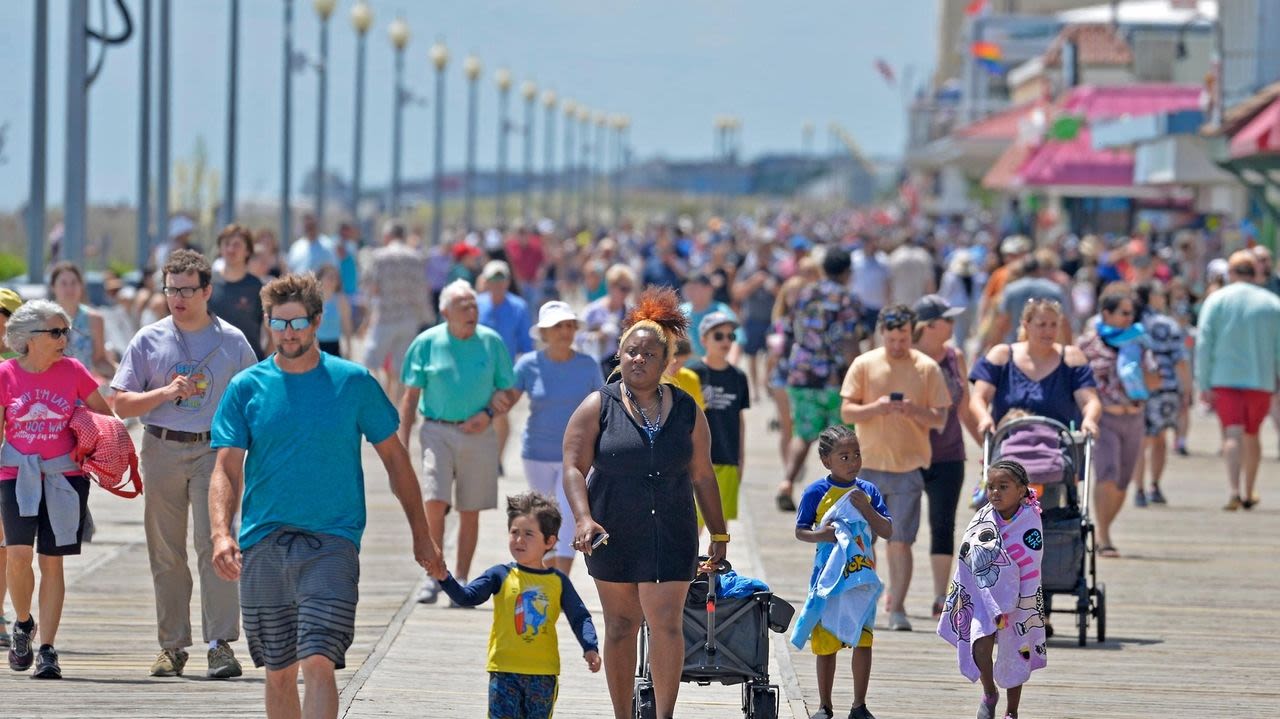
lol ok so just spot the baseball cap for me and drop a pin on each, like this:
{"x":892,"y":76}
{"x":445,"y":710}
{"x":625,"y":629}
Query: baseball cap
{"x":1015,"y":245}
{"x":10,"y":300}
{"x":933,"y":307}
{"x":713,"y":320}
{"x":553,"y":313}
{"x":180,"y":225}
{"x":496,"y":269}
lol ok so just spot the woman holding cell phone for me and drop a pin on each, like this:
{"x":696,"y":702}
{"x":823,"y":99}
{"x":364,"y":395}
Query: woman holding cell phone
{"x":648,"y":449}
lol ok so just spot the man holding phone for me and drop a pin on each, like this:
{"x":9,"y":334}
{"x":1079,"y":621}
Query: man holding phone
{"x":896,"y":395}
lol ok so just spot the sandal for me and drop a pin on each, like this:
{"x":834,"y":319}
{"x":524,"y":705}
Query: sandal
{"x":1251,"y":502}
{"x":1109,"y":551}
{"x":785,"y":503}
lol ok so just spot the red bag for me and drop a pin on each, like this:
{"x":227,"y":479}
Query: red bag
{"x":104,"y":450}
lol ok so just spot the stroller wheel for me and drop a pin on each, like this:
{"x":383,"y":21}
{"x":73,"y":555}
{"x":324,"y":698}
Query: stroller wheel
{"x":1082,"y":617}
{"x":764,"y":702}
{"x":1100,"y":612}
{"x":643,"y":705}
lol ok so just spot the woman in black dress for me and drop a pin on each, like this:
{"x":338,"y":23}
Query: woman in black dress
{"x":650,"y":449}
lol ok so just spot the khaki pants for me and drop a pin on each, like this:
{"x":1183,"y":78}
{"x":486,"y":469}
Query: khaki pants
{"x":176,"y":476}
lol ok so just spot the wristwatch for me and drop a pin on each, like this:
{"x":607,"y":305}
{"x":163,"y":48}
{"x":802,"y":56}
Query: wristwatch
{"x":489,"y":411}
{"x":722,"y":538}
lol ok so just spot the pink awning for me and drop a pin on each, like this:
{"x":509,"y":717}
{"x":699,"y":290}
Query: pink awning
{"x":1261,"y":135}
{"x":1075,"y":162}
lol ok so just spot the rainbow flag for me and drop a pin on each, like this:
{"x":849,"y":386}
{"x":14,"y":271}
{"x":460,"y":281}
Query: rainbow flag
{"x":988,"y":55}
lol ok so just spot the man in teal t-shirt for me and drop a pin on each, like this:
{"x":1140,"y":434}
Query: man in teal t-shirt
{"x":288,"y":431}
{"x":699,"y":303}
{"x":456,"y":375}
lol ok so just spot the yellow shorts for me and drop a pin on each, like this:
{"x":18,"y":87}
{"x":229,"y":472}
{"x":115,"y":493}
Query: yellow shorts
{"x":824,"y":643}
{"x":728,"y":479}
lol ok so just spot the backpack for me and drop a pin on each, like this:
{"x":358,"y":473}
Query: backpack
{"x":104,"y":450}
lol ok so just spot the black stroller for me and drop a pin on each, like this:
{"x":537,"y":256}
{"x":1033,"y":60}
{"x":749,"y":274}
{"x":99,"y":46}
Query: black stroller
{"x":1069,"y":561}
{"x":725,"y":641}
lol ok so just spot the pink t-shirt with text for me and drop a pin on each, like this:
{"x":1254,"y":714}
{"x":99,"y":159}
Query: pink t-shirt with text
{"x":38,"y":405}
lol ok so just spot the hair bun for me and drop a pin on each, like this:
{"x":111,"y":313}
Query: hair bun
{"x":661,"y":306}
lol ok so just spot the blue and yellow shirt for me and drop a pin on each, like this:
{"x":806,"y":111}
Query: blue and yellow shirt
{"x":526,"y":604}
{"x":823,"y":494}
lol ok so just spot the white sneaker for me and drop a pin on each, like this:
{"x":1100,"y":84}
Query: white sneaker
{"x":898,"y":622}
{"x":430,"y":592}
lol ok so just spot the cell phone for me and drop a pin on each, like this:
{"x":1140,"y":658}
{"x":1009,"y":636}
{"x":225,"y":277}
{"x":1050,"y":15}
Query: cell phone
{"x":895,"y":396}
{"x":599,"y":539}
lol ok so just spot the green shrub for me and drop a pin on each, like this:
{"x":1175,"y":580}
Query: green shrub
{"x":11,"y":266}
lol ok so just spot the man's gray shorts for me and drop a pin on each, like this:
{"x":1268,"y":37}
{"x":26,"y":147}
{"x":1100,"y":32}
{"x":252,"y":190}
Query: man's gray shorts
{"x":298,"y":593}
{"x":901,"y":492}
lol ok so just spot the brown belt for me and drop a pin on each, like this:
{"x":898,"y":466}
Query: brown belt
{"x":174,"y":435}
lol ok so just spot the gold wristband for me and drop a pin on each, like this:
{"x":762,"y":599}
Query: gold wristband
{"x":723,"y":538}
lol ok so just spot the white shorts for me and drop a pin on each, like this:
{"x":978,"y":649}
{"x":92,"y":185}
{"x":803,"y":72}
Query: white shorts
{"x":548,"y":478}
{"x":388,"y":340}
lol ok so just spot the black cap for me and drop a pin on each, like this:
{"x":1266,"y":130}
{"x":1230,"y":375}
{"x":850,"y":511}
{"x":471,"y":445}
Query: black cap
{"x":933,"y":307}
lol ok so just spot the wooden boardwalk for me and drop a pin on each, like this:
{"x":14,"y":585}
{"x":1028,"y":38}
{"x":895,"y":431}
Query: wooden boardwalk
{"x":1190,"y":620}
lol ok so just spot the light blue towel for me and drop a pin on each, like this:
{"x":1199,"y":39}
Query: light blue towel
{"x":843,"y":597}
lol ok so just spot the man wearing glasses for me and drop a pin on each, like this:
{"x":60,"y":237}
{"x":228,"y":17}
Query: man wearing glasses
{"x":172,"y":375}
{"x":289,"y":433}
{"x":896,"y":394}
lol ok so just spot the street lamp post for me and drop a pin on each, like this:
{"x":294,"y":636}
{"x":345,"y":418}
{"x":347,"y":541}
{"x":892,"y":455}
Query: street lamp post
{"x":233,"y":86}
{"x":615,"y":174}
{"x":530,"y":92}
{"x":39,"y":136}
{"x":323,"y":8}
{"x":361,"y":21}
{"x":503,"y":79}
{"x":144,"y":138}
{"x":286,"y":122}
{"x":440,"y":59}
{"x":598,"y":189}
{"x":398,"y":31}
{"x":570,"y":109}
{"x":584,"y":162}
{"x":471,"y":66}
{"x":548,"y":158}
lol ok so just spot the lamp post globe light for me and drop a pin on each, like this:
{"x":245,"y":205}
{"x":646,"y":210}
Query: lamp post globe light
{"x":503,"y":80}
{"x":570,"y":109}
{"x":584,"y":161}
{"x":471,"y":67}
{"x":398,"y":32}
{"x":529,"y":90}
{"x":549,"y":150}
{"x":440,"y":59}
{"x":361,"y":21}
{"x":323,"y":8}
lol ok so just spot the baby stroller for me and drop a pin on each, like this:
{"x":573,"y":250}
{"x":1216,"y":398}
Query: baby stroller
{"x":1058,"y":461}
{"x":725,"y":641}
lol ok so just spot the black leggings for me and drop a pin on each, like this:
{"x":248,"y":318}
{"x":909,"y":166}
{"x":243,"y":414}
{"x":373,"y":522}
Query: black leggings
{"x":943,"y":482}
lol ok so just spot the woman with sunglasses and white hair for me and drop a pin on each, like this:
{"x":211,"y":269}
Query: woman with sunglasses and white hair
{"x":43,"y":493}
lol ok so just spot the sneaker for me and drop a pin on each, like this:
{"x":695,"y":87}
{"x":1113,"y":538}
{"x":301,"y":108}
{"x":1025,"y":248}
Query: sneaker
{"x":20,"y":654}
{"x":823,"y":713}
{"x":47,"y":663}
{"x":861,"y":712}
{"x":1181,"y":450}
{"x":430,"y":592}
{"x":785,"y":503}
{"x":169,"y":663}
{"x":987,"y":707}
{"x":1233,"y":504}
{"x":1156,"y":496}
{"x":222,"y":662}
{"x":1251,"y":502}
{"x":898,"y":622}
{"x":1139,"y":498}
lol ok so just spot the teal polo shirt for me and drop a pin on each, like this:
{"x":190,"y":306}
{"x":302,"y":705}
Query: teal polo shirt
{"x":457,"y":377}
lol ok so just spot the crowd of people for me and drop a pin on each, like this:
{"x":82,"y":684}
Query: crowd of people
{"x":639,"y":349}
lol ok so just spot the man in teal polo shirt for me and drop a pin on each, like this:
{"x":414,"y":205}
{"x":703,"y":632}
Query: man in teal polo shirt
{"x":456,"y":375}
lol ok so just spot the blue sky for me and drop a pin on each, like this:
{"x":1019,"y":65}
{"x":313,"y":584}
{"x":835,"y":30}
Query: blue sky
{"x":673,"y":66}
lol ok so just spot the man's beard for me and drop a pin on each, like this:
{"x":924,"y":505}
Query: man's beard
{"x":303,"y":348}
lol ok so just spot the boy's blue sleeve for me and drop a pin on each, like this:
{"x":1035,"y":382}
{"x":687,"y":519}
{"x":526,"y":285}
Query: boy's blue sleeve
{"x":479,"y":591}
{"x":579,"y":618}
{"x":807,"y":512}
{"x":877,"y":499}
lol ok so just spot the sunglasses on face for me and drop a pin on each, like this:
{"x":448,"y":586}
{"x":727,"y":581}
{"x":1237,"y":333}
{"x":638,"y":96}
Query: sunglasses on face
{"x":296,"y":323}
{"x":56,"y":333}
{"x":721,"y":336}
{"x":186,"y":292}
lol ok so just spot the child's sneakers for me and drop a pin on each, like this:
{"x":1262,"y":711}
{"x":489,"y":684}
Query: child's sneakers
{"x":823,"y":713}
{"x":1139,"y":498}
{"x":987,"y":709}
{"x":861,"y":712}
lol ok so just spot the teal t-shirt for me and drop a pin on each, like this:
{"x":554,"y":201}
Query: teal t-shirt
{"x":457,"y":377}
{"x":302,"y":433}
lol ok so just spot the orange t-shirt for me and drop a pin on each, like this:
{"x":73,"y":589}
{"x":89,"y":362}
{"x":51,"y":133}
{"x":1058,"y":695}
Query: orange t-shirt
{"x":896,"y":442}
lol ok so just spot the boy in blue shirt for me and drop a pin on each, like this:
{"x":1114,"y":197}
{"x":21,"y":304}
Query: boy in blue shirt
{"x":841,"y":454}
{"x":524,"y":654}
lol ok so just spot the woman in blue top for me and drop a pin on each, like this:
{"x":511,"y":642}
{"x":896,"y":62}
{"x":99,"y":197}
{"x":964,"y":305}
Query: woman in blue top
{"x":557,"y":379}
{"x":1035,"y":374}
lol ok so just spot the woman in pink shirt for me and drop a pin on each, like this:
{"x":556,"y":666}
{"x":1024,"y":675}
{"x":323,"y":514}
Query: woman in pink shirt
{"x":43,"y":493}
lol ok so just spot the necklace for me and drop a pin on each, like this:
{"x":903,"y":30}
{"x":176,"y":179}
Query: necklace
{"x":650,"y":428}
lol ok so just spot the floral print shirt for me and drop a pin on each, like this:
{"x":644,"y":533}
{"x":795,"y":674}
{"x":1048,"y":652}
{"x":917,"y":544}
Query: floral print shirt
{"x":824,"y":319}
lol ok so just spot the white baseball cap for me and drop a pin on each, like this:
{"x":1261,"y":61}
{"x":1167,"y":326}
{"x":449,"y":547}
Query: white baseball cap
{"x":551,"y":314}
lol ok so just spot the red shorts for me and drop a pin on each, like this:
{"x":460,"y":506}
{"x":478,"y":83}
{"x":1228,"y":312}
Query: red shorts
{"x":1241,"y":407}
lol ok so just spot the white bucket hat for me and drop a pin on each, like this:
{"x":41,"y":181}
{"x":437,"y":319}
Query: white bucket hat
{"x":551,"y":314}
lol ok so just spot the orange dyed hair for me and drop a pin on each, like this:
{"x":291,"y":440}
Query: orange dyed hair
{"x":657,"y":310}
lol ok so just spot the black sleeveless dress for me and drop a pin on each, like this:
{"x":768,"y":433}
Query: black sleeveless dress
{"x":642,"y":495}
